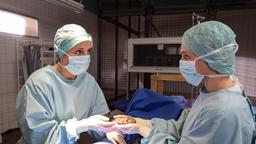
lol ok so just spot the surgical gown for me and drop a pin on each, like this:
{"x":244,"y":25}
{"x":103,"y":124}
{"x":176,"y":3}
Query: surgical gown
{"x":48,"y":105}
{"x":221,"y":117}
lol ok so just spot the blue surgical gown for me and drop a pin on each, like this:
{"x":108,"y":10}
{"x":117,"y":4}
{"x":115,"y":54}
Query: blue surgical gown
{"x":48,"y":105}
{"x":221,"y":117}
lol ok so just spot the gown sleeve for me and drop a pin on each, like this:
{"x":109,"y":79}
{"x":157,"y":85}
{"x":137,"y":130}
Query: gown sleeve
{"x":169,"y":130}
{"x":36,"y":116}
{"x":98,"y":106}
{"x":212,"y":127}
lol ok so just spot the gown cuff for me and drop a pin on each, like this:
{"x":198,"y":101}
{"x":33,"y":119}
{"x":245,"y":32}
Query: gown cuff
{"x":71,"y":130}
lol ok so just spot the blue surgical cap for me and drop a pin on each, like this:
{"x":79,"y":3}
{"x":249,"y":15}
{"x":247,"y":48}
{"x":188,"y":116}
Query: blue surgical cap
{"x":69,"y":36}
{"x":209,"y":36}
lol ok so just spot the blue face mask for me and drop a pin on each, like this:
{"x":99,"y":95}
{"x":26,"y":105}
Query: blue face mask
{"x":77,"y":64}
{"x":188,"y":68}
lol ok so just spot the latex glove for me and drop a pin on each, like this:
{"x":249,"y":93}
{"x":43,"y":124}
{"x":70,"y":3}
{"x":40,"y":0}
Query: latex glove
{"x":115,"y":137}
{"x":96,"y":123}
{"x":141,"y":126}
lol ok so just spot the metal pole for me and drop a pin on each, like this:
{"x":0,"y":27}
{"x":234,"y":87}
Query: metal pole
{"x":129,"y":36}
{"x":138,"y":75}
{"x":148,"y":33}
{"x":99,"y":45}
{"x":116,"y":53}
{"x":148,"y":22}
{"x":120,"y":25}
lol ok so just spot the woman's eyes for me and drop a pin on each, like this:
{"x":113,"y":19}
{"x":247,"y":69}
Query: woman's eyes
{"x":79,"y":52}
{"x":82,"y":52}
{"x":89,"y":51}
{"x":186,"y":57}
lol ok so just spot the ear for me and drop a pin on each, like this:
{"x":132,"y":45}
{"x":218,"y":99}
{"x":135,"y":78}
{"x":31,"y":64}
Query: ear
{"x":64,"y":60}
{"x":203,"y":68}
{"x":58,"y":60}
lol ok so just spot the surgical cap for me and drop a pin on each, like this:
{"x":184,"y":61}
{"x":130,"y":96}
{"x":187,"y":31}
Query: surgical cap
{"x":69,"y":36}
{"x":209,"y":36}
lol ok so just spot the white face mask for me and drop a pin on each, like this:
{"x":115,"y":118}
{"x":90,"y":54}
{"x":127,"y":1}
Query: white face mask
{"x":77,"y":64}
{"x":188,"y":68}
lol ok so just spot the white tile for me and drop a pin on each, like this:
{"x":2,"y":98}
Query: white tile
{"x":14,"y":116}
{"x":14,"y":78}
{"x":3,"y":79}
{"x":5,"y":127}
{"x":11,"y":108}
{"x":11,"y":117}
{"x":1,"y":100}
{"x":6,"y":100}
{"x":1,"y":88}
{"x":11,"y":88}
{"x":3,"y":58}
{"x":12,"y":100}
{"x":11,"y":58}
{"x":3,"y":68}
{"x":1,"y":110}
{"x":5,"y":108}
{"x":1,"y":120}
{"x":15,"y":124}
{"x":11,"y":78}
{"x":11,"y":68}
{"x":1,"y":128}
{"x":5,"y":118}
{"x":11,"y":49}
{"x":2,"y":48}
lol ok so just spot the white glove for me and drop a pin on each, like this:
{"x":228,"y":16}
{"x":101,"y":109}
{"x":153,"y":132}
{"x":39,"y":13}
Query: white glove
{"x":96,"y":123}
{"x":141,"y":126}
{"x":115,"y":137}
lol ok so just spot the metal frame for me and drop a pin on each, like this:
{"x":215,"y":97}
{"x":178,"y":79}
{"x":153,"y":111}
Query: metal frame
{"x":116,"y":51}
{"x":129,"y":36}
{"x":204,"y":6}
{"x":149,"y":41}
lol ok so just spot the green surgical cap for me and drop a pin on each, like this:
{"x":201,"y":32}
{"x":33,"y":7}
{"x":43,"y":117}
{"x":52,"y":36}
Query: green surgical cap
{"x":208,"y":36}
{"x":69,"y":36}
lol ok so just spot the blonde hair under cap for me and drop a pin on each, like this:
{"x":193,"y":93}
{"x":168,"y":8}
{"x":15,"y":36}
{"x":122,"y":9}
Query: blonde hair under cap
{"x":69,"y":36}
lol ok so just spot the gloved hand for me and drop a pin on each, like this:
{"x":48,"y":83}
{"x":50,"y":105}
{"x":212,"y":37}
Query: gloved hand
{"x":141,"y":126}
{"x":96,"y":123}
{"x":115,"y":137}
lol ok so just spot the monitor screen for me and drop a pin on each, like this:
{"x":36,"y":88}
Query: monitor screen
{"x":154,"y":55}
{"x":166,"y":55}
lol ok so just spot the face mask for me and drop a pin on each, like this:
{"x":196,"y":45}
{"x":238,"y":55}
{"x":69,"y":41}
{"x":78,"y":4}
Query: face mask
{"x":77,"y":64}
{"x":188,"y":68}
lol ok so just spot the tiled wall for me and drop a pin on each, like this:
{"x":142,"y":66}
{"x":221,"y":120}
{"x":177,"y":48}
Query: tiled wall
{"x":50,"y":18}
{"x":246,"y":72}
{"x":8,"y":83}
{"x":243,"y":24}
{"x":108,"y":55}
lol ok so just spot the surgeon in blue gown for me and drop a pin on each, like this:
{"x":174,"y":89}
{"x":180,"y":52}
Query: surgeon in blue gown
{"x":59,"y":102}
{"x":221,"y":113}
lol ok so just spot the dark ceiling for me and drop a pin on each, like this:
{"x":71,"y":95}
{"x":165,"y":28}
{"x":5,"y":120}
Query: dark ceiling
{"x":137,"y":7}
